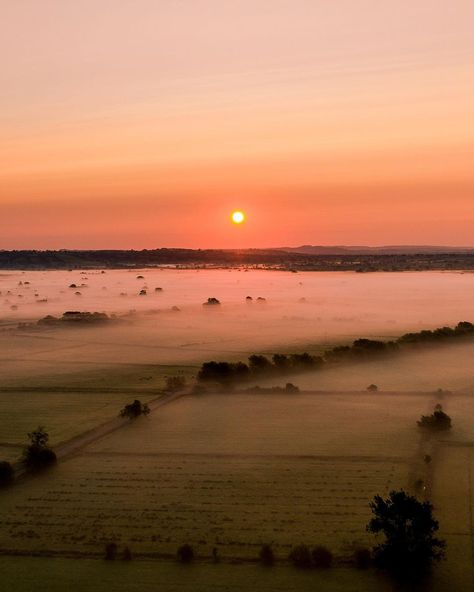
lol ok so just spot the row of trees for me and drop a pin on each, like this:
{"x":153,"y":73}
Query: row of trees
{"x":409,"y":543}
{"x":361,"y":349}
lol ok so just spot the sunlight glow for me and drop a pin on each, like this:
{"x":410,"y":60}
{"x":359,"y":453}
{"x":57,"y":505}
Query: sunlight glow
{"x":238,"y":217}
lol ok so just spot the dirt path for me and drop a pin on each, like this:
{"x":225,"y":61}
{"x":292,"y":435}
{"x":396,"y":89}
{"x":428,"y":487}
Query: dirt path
{"x":72,"y":446}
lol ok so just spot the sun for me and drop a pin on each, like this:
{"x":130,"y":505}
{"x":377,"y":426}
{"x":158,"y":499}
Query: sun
{"x":238,"y":217}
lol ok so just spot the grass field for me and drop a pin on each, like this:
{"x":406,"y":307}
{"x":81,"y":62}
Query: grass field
{"x":64,"y":414}
{"x":25,"y":574}
{"x":233,"y":472}
{"x":225,"y":471}
{"x":228,"y":471}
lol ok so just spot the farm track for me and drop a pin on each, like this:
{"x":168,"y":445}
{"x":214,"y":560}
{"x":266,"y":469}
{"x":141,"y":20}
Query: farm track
{"x":72,"y":446}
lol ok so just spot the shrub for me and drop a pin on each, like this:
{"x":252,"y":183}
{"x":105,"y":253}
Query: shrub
{"x":127,"y":554}
{"x":362,"y":558}
{"x":372,"y":388}
{"x":6,"y":473}
{"x":135,"y":409}
{"x":322,"y":557}
{"x":185,"y":553}
{"x":437,"y":421}
{"x":175,"y":383}
{"x":211,"y":302}
{"x":38,"y":455}
{"x":300,"y":556}
{"x":266,"y":555}
{"x":110,"y":551}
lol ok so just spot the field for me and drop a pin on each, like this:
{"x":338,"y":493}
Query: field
{"x":225,"y":471}
{"x":230,"y":471}
{"x":65,"y":414}
{"x":24,"y":574}
{"x":423,"y":369}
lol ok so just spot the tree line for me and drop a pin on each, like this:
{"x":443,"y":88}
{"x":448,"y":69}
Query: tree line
{"x":361,"y":349}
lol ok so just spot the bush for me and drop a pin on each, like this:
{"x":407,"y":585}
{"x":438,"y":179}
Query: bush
{"x":322,"y":557}
{"x":185,"y":553}
{"x":372,"y":388}
{"x":175,"y":383}
{"x":6,"y":473}
{"x":211,"y":302}
{"x":127,"y":554}
{"x":300,"y":556}
{"x":110,"y":551}
{"x":362,"y":558}
{"x":437,"y":421}
{"x":38,"y":455}
{"x":135,"y":409}
{"x":266,"y":555}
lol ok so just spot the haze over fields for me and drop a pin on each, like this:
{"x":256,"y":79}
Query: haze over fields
{"x":236,"y":296}
{"x":199,"y":469}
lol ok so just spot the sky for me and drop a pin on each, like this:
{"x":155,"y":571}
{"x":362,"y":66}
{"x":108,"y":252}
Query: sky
{"x":145,"y":123}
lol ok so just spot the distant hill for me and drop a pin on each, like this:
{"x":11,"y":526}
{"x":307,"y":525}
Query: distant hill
{"x":305,"y":258}
{"x":382,"y":250}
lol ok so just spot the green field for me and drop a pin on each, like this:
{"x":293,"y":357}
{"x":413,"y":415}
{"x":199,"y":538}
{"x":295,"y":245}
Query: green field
{"x":64,"y":414}
{"x":224,"y":471}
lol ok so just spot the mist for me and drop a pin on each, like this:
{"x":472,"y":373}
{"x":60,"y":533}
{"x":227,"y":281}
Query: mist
{"x":167,"y":324}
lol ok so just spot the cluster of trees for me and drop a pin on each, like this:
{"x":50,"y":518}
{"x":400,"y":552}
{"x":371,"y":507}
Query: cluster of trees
{"x":135,"y":409}
{"x":76,"y":317}
{"x":361,"y":349}
{"x":437,"y":421}
{"x":37,"y":454}
{"x":211,"y":302}
{"x":462,"y":329}
{"x":408,"y":547}
{"x":258,"y":366}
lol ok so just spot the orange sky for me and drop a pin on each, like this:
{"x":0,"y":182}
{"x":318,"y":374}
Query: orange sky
{"x":141,"y":124}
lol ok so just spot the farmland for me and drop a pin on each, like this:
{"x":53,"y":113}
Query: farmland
{"x":66,"y":414}
{"x":257,"y":470}
{"x":227,"y":472}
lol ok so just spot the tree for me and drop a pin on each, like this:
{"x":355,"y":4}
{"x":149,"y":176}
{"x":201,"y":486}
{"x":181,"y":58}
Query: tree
{"x":322,"y":557}
{"x":409,"y":529}
{"x":437,"y":421}
{"x":111,"y":551}
{"x":362,"y":558}
{"x":185,"y":553}
{"x":266,"y":555}
{"x":38,"y":455}
{"x":127,"y":554}
{"x":135,"y":409}
{"x":6,"y":473}
{"x":300,"y":556}
{"x":175,"y":383}
{"x":39,"y":437}
{"x":211,"y":302}
{"x":259,"y":364}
